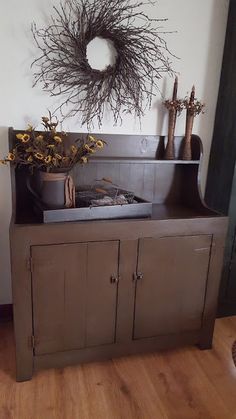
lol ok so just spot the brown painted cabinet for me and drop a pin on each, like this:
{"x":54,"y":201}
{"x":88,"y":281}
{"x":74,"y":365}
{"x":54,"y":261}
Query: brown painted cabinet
{"x":93,"y":290}
{"x":74,"y":295}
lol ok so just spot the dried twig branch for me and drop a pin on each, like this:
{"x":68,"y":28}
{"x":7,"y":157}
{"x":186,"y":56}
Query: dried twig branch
{"x":63,"y":69}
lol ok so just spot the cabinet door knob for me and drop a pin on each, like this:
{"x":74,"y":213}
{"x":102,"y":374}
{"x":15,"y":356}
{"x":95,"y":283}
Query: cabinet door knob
{"x":138,"y":276}
{"x":114,"y":279}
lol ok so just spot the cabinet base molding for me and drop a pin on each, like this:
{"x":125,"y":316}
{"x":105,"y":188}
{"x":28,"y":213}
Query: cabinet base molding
{"x":227,"y":309}
{"x":6,"y":313}
{"x":106,"y":352}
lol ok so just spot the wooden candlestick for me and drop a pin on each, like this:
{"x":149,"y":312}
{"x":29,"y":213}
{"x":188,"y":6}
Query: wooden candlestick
{"x":170,"y":150}
{"x":187,"y":152}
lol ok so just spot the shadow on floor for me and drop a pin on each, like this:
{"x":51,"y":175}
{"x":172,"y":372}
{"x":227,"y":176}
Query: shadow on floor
{"x":7,"y":350}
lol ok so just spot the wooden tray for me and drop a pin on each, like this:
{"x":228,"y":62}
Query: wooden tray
{"x":140,"y":209}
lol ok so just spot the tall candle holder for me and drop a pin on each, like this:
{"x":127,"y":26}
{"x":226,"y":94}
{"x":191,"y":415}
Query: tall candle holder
{"x":194,"y":107}
{"x":175,"y":107}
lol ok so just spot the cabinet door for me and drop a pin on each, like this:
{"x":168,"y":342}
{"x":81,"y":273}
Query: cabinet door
{"x":101,"y":302}
{"x":170,"y":293}
{"x":74,"y":301}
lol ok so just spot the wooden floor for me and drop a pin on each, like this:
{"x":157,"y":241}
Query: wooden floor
{"x":182,"y":384}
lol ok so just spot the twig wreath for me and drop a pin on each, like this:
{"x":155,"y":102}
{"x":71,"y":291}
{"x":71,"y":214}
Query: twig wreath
{"x":127,"y":86}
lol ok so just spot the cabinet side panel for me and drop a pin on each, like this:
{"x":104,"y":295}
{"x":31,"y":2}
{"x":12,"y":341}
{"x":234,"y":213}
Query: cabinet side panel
{"x":59,"y":273}
{"x":22,"y":305}
{"x":101,"y":304}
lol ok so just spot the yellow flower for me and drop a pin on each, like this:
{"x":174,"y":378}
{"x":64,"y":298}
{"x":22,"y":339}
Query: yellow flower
{"x":57,"y":139}
{"x":58,"y":156}
{"x":19,"y":136}
{"x":92,"y":139}
{"x":11,"y":157}
{"x":48,"y":159}
{"x":3,"y":162}
{"x":30,"y":159}
{"x":51,"y":146}
{"x":74,"y":149}
{"x":30,"y":128}
{"x":39,"y":156}
{"x":99,"y":144}
{"x":65,"y":159}
{"x":84,"y":159}
{"x":89,"y":149}
{"x":25,"y":138}
{"x":39,"y":137}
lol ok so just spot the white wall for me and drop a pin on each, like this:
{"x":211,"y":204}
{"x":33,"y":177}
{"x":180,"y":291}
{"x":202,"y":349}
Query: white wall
{"x":199,"y":42}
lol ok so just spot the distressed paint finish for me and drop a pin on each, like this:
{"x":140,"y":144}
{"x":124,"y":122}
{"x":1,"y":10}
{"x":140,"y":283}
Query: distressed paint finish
{"x":82,"y":274}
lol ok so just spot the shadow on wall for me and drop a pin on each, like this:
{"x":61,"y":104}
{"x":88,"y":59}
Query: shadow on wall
{"x":5,"y":214}
{"x":211,"y":81}
{"x":162,"y":120}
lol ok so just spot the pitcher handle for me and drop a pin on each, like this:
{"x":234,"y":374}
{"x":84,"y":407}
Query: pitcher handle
{"x":31,"y":189}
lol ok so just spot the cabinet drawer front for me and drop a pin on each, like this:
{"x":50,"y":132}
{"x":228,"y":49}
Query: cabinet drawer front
{"x":171,"y":285}
{"x":74,"y":299}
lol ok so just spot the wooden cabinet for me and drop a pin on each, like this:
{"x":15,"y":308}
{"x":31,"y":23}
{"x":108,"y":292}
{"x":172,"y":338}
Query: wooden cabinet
{"x":170,"y":284}
{"x":75,"y":291}
{"x":94,"y":290}
{"x":74,"y":295}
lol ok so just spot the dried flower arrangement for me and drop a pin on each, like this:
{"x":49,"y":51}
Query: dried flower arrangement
{"x":174,"y":105}
{"x":49,"y":150}
{"x":143,"y":58}
{"x":194,"y":107}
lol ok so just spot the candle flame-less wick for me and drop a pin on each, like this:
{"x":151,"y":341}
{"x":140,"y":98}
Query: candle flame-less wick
{"x":192,"y":97}
{"x":174,"y":97}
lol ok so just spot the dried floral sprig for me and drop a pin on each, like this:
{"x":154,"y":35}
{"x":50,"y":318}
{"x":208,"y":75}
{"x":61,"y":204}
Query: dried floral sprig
{"x":194,"y":107}
{"x":49,"y":150}
{"x":128,"y":86}
{"x":177,"y":105}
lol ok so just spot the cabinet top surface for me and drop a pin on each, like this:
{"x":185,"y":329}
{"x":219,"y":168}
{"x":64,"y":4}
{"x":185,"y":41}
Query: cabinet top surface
{"x":160,"y":212}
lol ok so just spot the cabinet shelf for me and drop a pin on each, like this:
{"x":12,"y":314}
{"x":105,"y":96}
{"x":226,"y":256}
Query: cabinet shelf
{"x":140,"y":160}
{"x":171,"y":211}
{"x":159,"y":212}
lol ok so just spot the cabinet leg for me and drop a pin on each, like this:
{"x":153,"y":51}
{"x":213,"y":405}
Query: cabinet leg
{"x":20,"y":377}
{"x":207,"y":336}
{"x":205,"y":345}
{"x":24,"y":363}
{"x":23,"y":373}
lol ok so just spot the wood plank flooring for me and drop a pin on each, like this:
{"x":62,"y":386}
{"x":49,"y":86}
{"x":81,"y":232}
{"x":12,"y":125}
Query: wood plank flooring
{"x":182,"y":384}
